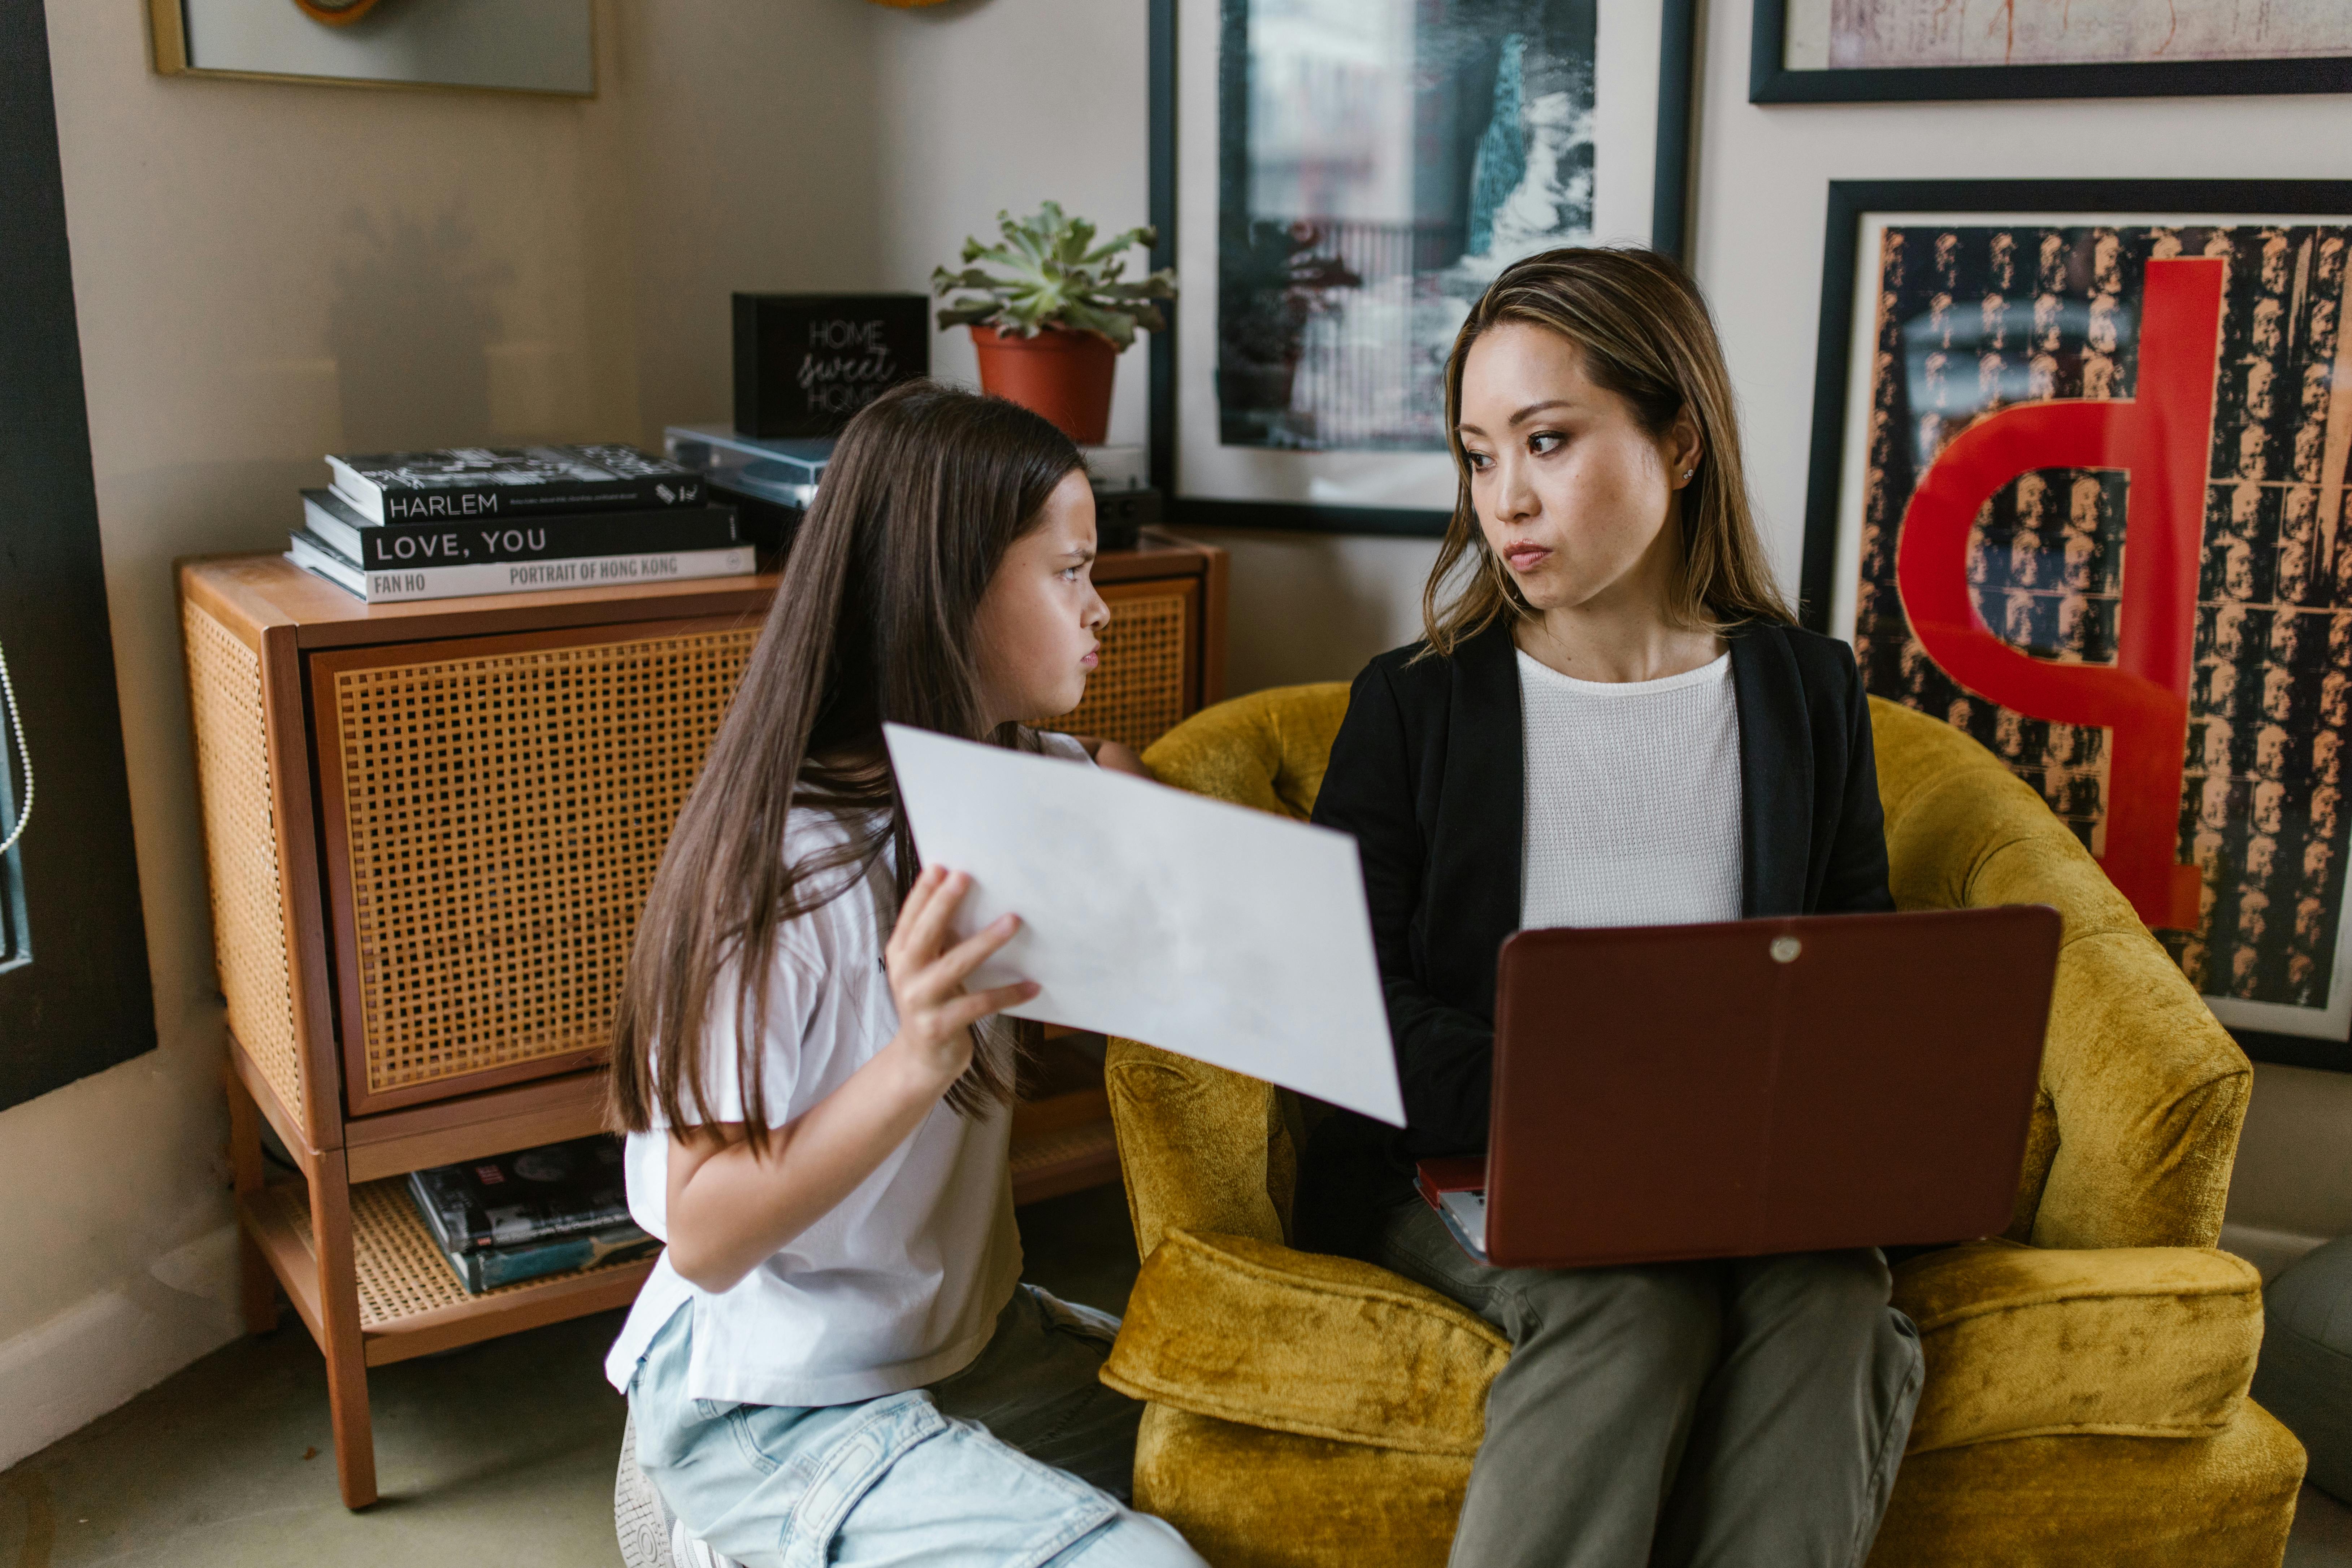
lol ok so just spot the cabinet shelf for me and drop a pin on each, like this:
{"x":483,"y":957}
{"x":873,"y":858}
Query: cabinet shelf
{"x":411,"y":1302}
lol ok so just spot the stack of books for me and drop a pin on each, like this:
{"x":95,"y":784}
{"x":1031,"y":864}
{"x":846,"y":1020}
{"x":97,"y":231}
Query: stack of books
{"x":482,"y":519}
{"x":531,"y":1212}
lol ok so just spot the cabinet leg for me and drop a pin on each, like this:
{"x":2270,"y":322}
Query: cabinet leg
{"x":338,"y":1311}
{"x":257,"y":1287}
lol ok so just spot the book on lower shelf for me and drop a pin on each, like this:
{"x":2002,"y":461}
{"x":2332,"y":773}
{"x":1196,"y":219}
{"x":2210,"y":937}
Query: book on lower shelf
{"x":498,"y":1266}
{"x":507,"y":1218}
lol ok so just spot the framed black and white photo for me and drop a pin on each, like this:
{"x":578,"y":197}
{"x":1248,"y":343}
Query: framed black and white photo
{"x":1876,"y":51}
{"x":1336,"y":183}
{"x":2078,"y":487}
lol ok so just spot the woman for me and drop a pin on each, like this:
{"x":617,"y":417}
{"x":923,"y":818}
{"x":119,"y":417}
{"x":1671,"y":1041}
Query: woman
{"x":1611,"y":721}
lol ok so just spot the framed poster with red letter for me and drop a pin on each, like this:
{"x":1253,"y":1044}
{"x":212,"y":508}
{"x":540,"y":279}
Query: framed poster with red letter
{"x":2078,"y":487}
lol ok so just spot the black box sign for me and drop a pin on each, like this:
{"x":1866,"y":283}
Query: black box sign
{"x":806,"y":363}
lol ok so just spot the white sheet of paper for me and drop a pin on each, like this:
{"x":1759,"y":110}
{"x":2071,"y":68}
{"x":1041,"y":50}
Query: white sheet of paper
{"x":1192,"y":924}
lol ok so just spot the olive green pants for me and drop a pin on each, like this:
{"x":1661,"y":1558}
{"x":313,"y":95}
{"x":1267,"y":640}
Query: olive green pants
{"x":1745,"y":1412}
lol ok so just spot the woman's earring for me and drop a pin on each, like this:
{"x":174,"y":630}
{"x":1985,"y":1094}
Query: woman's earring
{"x":1688,"y":472}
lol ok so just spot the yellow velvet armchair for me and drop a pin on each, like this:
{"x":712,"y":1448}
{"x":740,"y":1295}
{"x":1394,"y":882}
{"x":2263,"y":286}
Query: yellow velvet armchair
{"x":2085,"y":1397}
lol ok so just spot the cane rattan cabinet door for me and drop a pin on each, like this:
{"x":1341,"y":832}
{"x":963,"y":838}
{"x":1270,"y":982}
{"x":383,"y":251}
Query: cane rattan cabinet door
{"x":492,"y":811}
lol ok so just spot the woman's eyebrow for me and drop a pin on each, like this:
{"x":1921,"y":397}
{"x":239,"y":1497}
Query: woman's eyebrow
{"x":1524,"y":414}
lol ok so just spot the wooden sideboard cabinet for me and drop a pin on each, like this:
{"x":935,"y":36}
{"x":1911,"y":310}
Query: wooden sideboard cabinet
{"x":429,"y":828}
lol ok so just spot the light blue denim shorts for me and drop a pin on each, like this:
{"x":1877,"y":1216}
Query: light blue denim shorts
{"x":1020,"y":1460}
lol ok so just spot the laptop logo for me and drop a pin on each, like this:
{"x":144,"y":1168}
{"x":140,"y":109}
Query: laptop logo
{"x":1784,"y":949}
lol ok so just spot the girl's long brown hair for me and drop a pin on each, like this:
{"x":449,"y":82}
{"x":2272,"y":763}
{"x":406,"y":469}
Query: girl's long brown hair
{"x":1645,"y":334}
{"x":927,"y":487}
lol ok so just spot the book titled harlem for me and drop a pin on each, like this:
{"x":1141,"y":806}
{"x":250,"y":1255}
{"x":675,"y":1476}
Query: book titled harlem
{"x":462,"y":483}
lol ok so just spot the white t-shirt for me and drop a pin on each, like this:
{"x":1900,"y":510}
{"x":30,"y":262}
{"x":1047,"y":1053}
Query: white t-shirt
{"x":1632,"y":799}
{"x":901,"y":1284}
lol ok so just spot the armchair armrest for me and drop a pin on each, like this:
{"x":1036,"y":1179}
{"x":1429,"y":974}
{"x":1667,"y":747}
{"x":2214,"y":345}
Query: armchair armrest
{"x":1255,"y":1332}
{"x":1202,"y":1149}
{"x":2020,"y":1341}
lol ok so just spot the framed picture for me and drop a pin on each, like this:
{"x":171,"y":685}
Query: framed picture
{"x":1336,"y":183}
{"x":1848,"y":51}
{"x":2078,"y":487}
{"x":514,"y":46}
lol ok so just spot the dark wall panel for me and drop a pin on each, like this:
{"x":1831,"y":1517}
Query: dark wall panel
{"x":83,"y":1001}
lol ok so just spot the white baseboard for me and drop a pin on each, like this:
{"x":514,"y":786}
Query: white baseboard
{"x":61,"y":1377}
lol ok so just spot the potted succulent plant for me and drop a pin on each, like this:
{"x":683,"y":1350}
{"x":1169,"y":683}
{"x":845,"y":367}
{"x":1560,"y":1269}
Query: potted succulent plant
{"x":1052,"y":318}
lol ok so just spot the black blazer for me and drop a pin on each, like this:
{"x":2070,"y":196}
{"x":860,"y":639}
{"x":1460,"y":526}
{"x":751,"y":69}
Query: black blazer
{"x":1428,"y":773}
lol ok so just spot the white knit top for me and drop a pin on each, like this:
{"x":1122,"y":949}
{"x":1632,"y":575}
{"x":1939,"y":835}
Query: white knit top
{"x":1632,"y":799}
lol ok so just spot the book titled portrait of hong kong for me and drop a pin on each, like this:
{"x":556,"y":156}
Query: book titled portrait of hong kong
{"x":2078,"y":484}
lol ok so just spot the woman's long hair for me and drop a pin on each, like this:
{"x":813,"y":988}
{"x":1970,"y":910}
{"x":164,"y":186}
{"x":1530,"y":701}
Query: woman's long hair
{"x":874,"y":621}
{"x":1645,"y":334}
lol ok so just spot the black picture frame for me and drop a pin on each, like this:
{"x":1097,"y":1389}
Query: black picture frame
{"x":1850,"y":203}
{"x":76,"y":995}
{"x":1769,"y":80}
{"x":1670,"y":231}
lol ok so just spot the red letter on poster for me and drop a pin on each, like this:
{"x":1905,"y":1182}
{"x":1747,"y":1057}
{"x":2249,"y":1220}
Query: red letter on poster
{"x":2162,"y":436}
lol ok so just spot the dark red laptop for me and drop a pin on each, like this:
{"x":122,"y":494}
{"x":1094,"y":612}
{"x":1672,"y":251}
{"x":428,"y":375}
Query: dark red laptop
{"x":1757,"y":1086}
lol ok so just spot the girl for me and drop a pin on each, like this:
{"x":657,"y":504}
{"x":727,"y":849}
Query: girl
{"x":1611,"y":721}
{"x":836,"y":1360}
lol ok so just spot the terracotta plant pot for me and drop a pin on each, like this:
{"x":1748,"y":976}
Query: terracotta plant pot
{"x":1064,"y":375}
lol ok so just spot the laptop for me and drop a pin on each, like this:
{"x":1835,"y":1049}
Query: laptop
{"x":1756,"y":1087}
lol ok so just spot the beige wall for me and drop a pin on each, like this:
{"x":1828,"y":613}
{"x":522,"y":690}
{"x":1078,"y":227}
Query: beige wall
{"x":751,"y":163}
{"x":917,"y":129}
{"x":846,"y":146}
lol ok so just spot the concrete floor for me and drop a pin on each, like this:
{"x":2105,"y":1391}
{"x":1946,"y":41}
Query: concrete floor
{"x":499,"y":1453}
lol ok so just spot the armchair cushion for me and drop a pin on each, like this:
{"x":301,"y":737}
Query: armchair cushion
{"x":2149,"y":1341}
{"x":1253,"y":1332}
{"x":2084,"y":1501}
{"x":1251,"y":1499}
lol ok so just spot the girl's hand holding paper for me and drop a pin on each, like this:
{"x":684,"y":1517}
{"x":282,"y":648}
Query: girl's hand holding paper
{"x":1191,"y":924}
